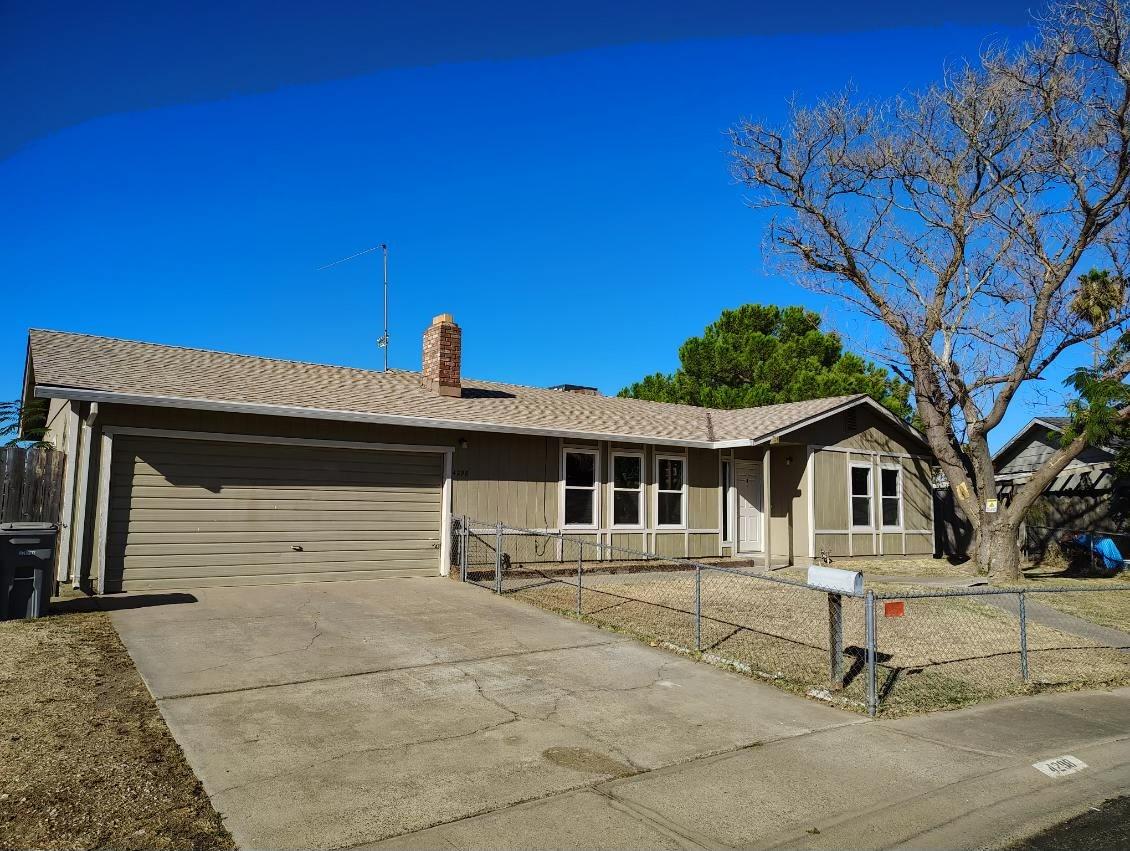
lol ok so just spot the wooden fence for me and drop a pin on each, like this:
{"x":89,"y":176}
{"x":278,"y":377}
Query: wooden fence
{"x":31,"y":484}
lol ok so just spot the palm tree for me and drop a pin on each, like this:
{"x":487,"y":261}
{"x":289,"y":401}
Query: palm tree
{"x":19,"y":423}
{"x":1100,"y":294}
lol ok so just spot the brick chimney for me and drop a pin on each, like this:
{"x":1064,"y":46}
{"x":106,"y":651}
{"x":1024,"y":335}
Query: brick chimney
{"x":443,"y":349}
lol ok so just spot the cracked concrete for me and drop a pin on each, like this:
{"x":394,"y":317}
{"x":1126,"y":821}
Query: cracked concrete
{"x":348,"y":712}
{"x":429,"y":714}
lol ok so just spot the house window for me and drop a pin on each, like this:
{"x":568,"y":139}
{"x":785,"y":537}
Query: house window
{"x":861,"y":496}
{"x":671,"y":490}
{"x":727,"y":480}
{"x":890,"y":497}
{"x":580,"y":487}
{"x":627,"y":490}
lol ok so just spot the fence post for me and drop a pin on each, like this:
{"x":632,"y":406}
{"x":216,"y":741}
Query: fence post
{"x":465,"y":536}
{"x":872,"y":684}
{"x":580,"y":570}
{"x":698,"y":607}
{"x":836,"y":640}
{"x":498,"y":558}
{"x":1023,"y":636}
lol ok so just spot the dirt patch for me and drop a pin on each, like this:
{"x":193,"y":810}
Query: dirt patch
{"x":86,"y":760}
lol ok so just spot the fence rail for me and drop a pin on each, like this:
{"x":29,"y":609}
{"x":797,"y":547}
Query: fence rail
{"x":31,"y":484}
{"x":889,"y":651}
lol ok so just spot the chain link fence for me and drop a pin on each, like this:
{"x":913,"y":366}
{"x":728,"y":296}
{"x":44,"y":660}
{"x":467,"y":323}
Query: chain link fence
{"x":891,"y":652}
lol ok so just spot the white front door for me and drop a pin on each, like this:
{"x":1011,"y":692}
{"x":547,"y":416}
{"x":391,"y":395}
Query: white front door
{"x":748,"y":474}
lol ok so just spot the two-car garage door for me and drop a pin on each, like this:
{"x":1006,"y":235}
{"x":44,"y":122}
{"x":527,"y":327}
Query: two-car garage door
{"x":189,"y":512}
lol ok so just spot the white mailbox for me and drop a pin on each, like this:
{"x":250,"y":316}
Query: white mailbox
{"x":834,"y":579}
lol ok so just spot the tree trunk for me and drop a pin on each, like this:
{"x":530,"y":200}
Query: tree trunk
{"x":998,"y":552}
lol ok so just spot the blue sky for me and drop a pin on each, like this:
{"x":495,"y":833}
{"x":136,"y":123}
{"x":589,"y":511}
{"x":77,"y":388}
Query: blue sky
{"x":573,"y":210}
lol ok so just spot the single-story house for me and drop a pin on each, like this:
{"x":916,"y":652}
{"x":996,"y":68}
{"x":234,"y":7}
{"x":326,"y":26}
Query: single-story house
{"x":1085,"y":496}
{"x":189,"y":468}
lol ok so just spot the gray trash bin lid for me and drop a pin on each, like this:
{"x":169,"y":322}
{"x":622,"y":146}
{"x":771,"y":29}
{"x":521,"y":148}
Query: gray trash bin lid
{"x":27,"y":527}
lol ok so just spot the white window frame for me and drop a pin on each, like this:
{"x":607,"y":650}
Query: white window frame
{"x":582,"y":450}
{"x":898,"y":495}
{"x":728,"y":501}
{"x":641,"y":524}
{"x":682,"y":459}
{"x":853,"y":496}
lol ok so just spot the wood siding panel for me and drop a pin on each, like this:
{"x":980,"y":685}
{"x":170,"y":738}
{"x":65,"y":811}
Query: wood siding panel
{"x":835,"y":545}
{"x":919,"y":543}
{"x":830,"y":502}
{"x":863,"y":544}
{"x":628,"y":540}
{"x":703,"y":545}
{"x":183,"y":512}
{"x":917,"y":495}
{"x":584,"y":546}
{"x":892,"y":543}
{"x":702,"y":490}
{"x":670,"y":544}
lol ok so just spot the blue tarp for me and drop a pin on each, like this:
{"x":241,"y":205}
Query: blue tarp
{"x":1105,"y":548}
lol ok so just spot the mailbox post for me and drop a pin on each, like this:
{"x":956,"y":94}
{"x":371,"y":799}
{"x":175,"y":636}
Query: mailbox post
{"x":836,"y":640}
{"x":837,"y":583}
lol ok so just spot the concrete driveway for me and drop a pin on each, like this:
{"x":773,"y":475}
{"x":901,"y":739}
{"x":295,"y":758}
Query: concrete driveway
{"x":431,"y":714}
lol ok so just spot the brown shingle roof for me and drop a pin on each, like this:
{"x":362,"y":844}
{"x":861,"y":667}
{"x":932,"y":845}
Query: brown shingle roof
{"x":107,"y":365}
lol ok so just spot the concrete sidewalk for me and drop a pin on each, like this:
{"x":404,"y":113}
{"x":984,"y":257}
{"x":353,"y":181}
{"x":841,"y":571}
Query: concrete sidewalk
{"x":428,"y":714}
{"x":952,"y":780}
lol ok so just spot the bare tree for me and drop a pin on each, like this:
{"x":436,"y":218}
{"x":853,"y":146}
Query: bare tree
{"x":958,"y":217}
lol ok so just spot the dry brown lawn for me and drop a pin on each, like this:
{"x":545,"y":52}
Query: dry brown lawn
{"x":86,"y":760}
{"x":942,"y":653}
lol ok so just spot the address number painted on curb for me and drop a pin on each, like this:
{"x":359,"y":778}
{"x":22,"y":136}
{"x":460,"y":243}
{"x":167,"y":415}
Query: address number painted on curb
{"x":1061,"y":766}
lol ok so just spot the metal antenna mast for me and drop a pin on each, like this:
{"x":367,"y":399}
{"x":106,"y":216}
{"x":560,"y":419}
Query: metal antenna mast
{"x":382,"y":341}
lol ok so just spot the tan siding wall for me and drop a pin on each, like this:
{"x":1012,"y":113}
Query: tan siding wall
{"x":785,"y":473}
{"x":577,"y":544}
{"x":918,"y":543}
{"x":702,"y":491}
{"x":670,"y":544}
{"x":917,"y":501}
{"x":703,"y":545}
{"x":55,"y":428}
{"x":863,"y":544}
{"x":836,"y":545}
{"x":629,"y":541}
{"x":830,"y":495}
{"x":875,"y":440}
{"x":872,"y":433}
{"x":511,"y":478}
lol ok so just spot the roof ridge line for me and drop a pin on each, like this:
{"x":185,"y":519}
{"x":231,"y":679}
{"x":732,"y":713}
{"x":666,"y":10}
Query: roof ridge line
{"x":216,"y":351}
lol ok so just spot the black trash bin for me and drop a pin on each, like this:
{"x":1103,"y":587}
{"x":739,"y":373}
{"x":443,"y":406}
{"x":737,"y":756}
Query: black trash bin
{"x":27,"y":569}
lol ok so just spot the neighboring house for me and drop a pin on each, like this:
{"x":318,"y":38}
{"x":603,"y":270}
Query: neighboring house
{"x":195,"y":468}
{"x":1086,"y":496}
{"x":1083,"y":496}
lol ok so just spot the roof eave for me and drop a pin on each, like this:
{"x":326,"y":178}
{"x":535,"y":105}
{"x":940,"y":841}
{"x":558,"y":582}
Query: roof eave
{"x":112,"y":397}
